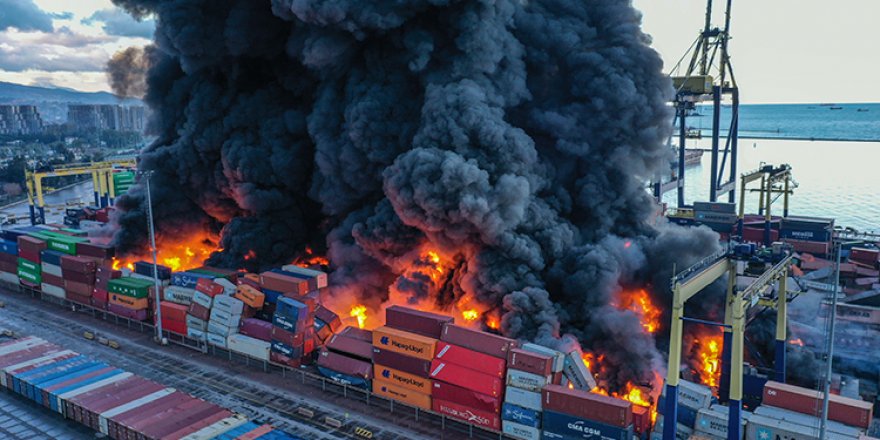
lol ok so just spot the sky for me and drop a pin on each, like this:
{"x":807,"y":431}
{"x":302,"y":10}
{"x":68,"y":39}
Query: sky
{"x":783,"y":51}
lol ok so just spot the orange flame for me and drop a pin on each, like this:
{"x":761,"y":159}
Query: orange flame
{"x":470,"y":315}
{"x":709,"y":352}
{"x":311,"y":259}
{"x":360,"y":312}
{"x":632,"y":393}
{"x":181,"y":255}
{"x":640,"y":303}
{"x":797,"y":342}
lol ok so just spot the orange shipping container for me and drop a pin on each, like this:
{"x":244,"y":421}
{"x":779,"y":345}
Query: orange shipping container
{"x":129,"y":302}
{"x":401,"y":379}
{"x":250,"y":296}
{"x":401,"y":394}
{"x":399,"y":341}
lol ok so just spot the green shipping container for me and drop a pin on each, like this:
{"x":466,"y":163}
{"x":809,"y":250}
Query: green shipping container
{"x":131,"y":287}
{"x":29,"y":265}
{"x":26,"y":274}
{"x":66,"y":244}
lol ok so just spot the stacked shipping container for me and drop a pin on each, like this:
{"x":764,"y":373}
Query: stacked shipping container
{"x":347,"y":357}
{"x":521,"y":412}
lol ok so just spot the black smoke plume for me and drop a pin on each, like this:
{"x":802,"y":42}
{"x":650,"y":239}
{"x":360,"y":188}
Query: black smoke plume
{"x":127,"y":72}
{"x":515,"y":136}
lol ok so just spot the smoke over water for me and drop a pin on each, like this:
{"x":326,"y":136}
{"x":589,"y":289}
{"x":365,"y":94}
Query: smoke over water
{"x":442,"y":153}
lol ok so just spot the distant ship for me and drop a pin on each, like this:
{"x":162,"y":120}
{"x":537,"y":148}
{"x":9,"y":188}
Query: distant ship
{"x":836,"y":108}
{"x":862,"y":110}
{"x":692,"y":156}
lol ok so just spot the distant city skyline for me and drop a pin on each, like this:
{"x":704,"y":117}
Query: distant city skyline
{"x":785,"y":51}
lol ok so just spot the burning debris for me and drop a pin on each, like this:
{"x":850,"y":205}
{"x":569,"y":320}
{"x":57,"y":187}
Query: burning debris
{"x":484,"y":159}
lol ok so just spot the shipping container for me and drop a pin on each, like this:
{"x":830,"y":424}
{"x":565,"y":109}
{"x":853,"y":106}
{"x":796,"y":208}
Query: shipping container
{"x":128,"y":286}
{"x":405,"y":343}
{"x":483,"y":342}
{"x":407,"y":364}
{"x":483,"y":363}
{"x":806,"y":401}
{"x":250,"y":296}
{"x":466,"y":397}
{"x":415,"y":321}
{"x":691,"y":395}
{"x":188,"y":279}
{"x":527,"y":381}
{"x":357,"y":333}
{"x":591,"y":406}
{"x":351,"y":347}
{"x":401,"y":394}
{"x":319,"y":276}
{"x":761,"y":428}
{"x":561,"y":426}
{"x":521,"y":415}
{"x":218,"y":428}
{"x":520,"y":431}
{"x":402,"y":379}
{"x":199,"y":312}
{"x":803,"y":419}
{"x":467,"y":378}
{"x":247,"y":345}
{"x":523,"y":398}
{"x":531,"y":362}
{"x":330,"y":318}
{"x":256,"y":328}
{"x":283,"y":283}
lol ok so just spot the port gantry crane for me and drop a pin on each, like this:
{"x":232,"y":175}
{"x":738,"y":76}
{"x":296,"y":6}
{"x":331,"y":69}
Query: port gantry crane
{"x":708,"y":77}
{"x":774,"y":180}
{"x":761,"y":291}
{"x":102,"y":173}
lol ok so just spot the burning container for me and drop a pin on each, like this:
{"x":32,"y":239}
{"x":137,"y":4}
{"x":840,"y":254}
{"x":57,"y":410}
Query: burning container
{"x":482,"y":342}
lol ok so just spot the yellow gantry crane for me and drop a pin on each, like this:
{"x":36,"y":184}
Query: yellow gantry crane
{"x":774,"y":180}
{"x":760,"y":291}
{"x":102,"y":179}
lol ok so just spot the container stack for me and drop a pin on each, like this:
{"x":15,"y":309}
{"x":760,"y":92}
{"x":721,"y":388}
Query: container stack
{"x":79,"y":278}
{"x":327,"y":323}
{"x":402,"y":366}
{"x":199,"y":311}
{"x":101,"y":293}
{"x":8,"y":260}
{"x":292,"y":331}
{"x":575,"y":414}
{"x":51,"y":274}
{"x":692,"y":398}
{"x":712,"y":422}
{"x":528,"y":367}
{"x":471,"y":391}
{"x":29,"y":268}
{"x":347,"y":357}
{"x":129,"y":297}
{"x":224,"y":320}
{"x":808,"y":234}
{"x":788,"y":403}
{"x":173,"y":317}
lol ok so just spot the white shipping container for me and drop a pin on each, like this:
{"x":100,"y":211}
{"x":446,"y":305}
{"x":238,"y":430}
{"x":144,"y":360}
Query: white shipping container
{"x":229,"y":304}
{"x":761,"y":428}
{"x":713,"y":421}
{"x":558,"y":356}
{"x":220,"y":329}
{"x":198,"y":335}
{"x":163,"y":283}
{"x":520,"y":431}
{"x":682,"y":432}
{"x":202,"y":299}
{"x":21,"y":344}
{"x":225,"y":319}
{"x":51,"y":269}
{"x":179,"y":295}
{"x":57,"y":292}
{"x":691,"y":395}
{"x":806,"y":420}
{"x":577,"y":373}
{"x":215,"y":339}
{"x":219,"y":428}
{"x":196,"y":323}
{"x":11,"y":278}
{"x":252,"y":347}
{"x":523,"y":398}
{"x":526,"y":381}
{"x":228,"y":286}
{"x":36,"y":361}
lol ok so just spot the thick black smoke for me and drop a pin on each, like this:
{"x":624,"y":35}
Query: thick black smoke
{"x":514,"y":135}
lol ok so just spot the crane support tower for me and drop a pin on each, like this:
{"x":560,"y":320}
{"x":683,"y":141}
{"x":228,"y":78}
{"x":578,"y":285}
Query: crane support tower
{"x":102,"y":179}
{"x":692,"y":281}
{"x":774,"y":180}
{"x":707,"y":77}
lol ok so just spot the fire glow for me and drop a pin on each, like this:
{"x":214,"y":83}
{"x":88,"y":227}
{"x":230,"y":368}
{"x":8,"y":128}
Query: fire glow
{"x":639,"y":302}
{"x":310,"y":259}
{"x":180,"y":255}
{"x":631,"y":393}
{"x":709,"y":357}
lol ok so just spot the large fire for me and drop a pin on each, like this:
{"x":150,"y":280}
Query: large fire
{"x":178,"y":255}
{"x":311,"y":259}
{"x":631,"y":392}
{"x":639,"y":302}
{"x":708,"y":348}
{"x":360,"y":313}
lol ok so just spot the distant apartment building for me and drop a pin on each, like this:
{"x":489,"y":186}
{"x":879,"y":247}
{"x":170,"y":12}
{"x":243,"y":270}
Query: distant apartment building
{"x":20,"y":119}
{"x":106,"y":117}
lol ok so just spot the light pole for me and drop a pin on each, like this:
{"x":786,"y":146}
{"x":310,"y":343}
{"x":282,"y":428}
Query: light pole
{"x":159,"y":334}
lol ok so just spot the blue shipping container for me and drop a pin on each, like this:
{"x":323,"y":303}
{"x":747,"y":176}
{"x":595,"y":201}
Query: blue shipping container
{"x":51,"y":257}
{"x":238,"y":431}
{"x":70,"y":375}
{"x":277,"y":435}
{"x":186,"y":279}
{"x":344,"y":378}
{"x":806,"y":235}
{"x":291,"y":352}
{"x":145,"y":268}
{"x":33,"y":386}
{"x":686,"y":416}
{"x":558,"y":426}
{"x":47,"y":372}
{"x":288,"y":324}
{"x":9,"y":247}
{"x":272,"y":295}
{"x":292,"y":309}
{"x":518,"y":414}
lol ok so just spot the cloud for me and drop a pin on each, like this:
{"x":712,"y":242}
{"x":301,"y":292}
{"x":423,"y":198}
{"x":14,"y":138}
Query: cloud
{"x":117,"y":22}
{"x":24,"y":15}
{"x":60,"y":51}
{"x":62,"y":15}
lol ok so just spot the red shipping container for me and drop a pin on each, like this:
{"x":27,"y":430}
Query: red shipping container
{"x":473,"y":416}
{"x":181,"y":419}
{"x":209,"y":287}
{"x":351,"y":347}
{"x":345,"y":364}
{"x":8,"y":258}
{"x":79,"y":289}
{"x":641,"y":419}
{"x":587,"y":405}
{"x":250,"y":279}
{"x":397,"y":361}
{"x":31,"y":245}
{"x":100,"y":294}
{"x":173,"y":311}
{"x":84,"y":278}
{"x":137,"y":315}
{"x":32,"y":256}
{"x":310,"y":299}
{"x":199,"y":311}
{"x":840,"y":409}
{"x":50,"y":279}
{"x":416,"y":321}
{"x":864,"y":256}
{"x":283,"y":283}
{"x":357,"y":333}
{"x":329,"y":318}
{"x":73,"y":263}
{"x":464,"y":357}
{"x":8,"y":267}
{"x":201,"y":424}
{"x":279,"y":358}
{"x":469,"y":398}
{"x":309,"y":345}
{"x":104,"y":251}
{"x":257,"y":328}
{"x":288,"y":338}
{"x":467,"y":378}
{"x":482,"y":342}
{"x":530,"y":362}
{"x":79,"y":299}
{"x":99,"y":304}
